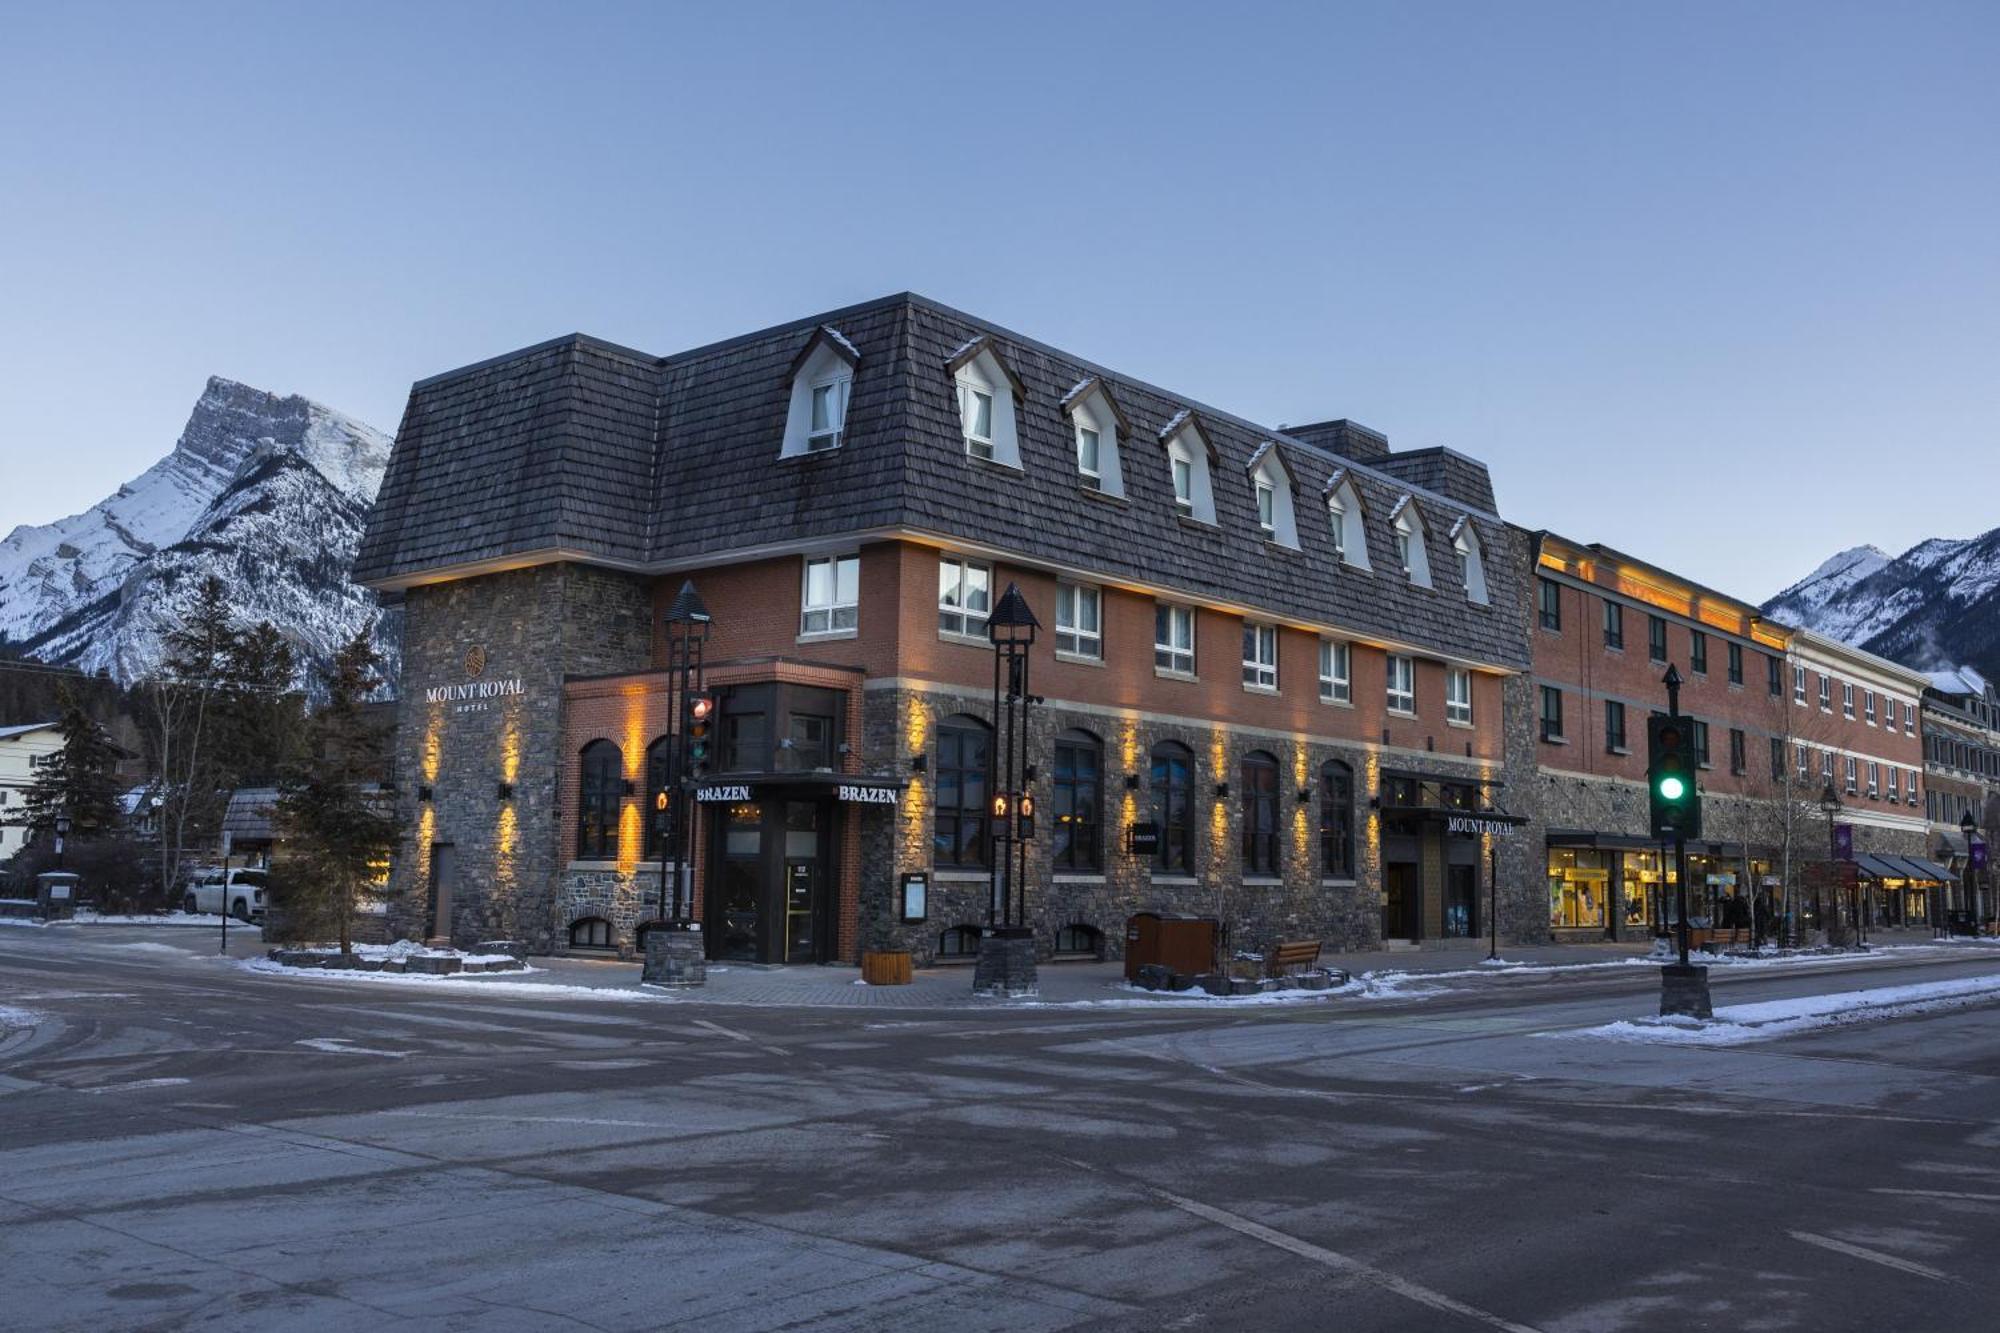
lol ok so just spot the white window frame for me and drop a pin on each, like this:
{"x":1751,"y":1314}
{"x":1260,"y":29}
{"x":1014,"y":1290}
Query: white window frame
{"x":1092,"y":474}
{"x":1350,"y":539}
{"x":1825,"y":693}
{"x":970,"y":623}
{"x":837,"y":388}
{"x":1472,"y":565}
{"x":824,"y":368}
{"x":1853,"y":775}
{"x":1171,"y":656}
{"x":1805,"y":763}
{"x":835,"y":618}
{"x":1847,"y":700}
{"x":1910,"y":718}
{"x":1826,"y":767}
{"x":978,"y":444}
{"x":1868,"y":706}
{"x":1073,"y":639}
{"x":1336,"y":671}
{"x":1874,"y":781}
{"x":1400,"y":684}
{"x":1798,"y":684}
{"x":1458,"y":696}
{"x":1260,"y":657}
{"x":1412,"y":550}
{"x":1895,"y":785}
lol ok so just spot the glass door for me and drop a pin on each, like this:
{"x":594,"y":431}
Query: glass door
{"x":803,"y":878}
{"x":736,"y":890}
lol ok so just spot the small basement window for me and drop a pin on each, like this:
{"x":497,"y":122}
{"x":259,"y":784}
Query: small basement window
{"x":591,"y":933}
{"x":958,"y":944}
{"x":1078,"y":941}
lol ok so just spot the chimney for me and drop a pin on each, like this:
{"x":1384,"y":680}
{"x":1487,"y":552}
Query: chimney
{"x":1349,"y":439}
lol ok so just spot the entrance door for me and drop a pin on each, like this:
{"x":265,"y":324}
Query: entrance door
{"x":1461,"y":902}
{"x":803,"y":881}
{"x":736,"y":888}
{"x":1399,"y":900}
{"x":443,"y":875}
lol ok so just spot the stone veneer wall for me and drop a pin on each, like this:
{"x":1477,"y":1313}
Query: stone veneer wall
{"x":537,"y":625}
{"x":902,"y":721}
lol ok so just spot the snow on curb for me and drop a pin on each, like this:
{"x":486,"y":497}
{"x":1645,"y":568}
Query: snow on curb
{"x":485,"y":983}
{"x":1738,"y":1024}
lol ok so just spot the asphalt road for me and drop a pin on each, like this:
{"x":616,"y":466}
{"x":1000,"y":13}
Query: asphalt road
{"x":190,"y":1146}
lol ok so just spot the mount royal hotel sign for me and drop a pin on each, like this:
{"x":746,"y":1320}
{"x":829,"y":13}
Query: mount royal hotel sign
{"x":474,"y":694}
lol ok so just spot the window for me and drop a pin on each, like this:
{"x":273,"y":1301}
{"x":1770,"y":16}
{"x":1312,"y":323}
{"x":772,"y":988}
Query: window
{"x":1777,"y":759}
{"x":1853,"y":774}
{"x":1078,"y":940}
{"x":1874,"y":782}
{"x":1825,"y":692}
{"x":1913,"y":789}
{"x":965,"y":596}
{"x":986,"y":393}
{"x":1336,"y":820}
{"x":1259,"y":773}
{"x":1412,"y":551}
{"x":1698,"y":652}
{"x":1895,"y":785}
{"x":1826,"y":766}
{"x":1172,"y":792}
{"x":1550,"y":597}
{"x":1552,"y":713}
{"x":809,"y":747}
{"x":1614,"y":727}
{"x":659,"y":778}
{"x":1267,"y":501}
{"x":958,"y":942}
{"x":1402,"y":683}
{"x":1471,"y":563}
{"x":1804,"y":756}
{"x":1868,"y":704}
{"x":1847,"y":700}
{"x":979,"y":421}
{"x":1798,"y":684}
{"x":1735,"y":664}
{"x":1700,"y":743}
{"x":1656,"y":638}
{"x":1079,"y":620}
{"x":1187,"y":457}
{"x":1739,"y":761}
{"x":1774,"y":677}
{"x":1272,"y":484}
{"x":1888,"y":712}
{"x":1614,"y":625}
{"x":1173,"y":638}
{"x":958,"y":833}
{"x":1458,"y":696}
{"x":1078,"y":800}
{"x":600,"y":793}
{"x":832,"y":592}
{"x":1344,"y":522}
{"x":1090,"y":458}
{"x":1336,"y":684}
{"x":1184,"y":484}
{"x":1910,"y":718}
{"x":592,"y":932}
{"x":816,"y":418}
{"x":1260,"y":657}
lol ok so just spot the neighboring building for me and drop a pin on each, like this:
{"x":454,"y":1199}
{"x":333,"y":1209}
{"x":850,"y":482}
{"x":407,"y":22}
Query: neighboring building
{"x":1283,"y":649}
{"x":1961,"y":722}
{"x":23,"y":749}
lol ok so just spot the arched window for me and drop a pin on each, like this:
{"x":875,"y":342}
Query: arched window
{"x":957,"y":943}
{"x":600,"y":788}
{"x":1336,"y":820}
{"x":1078,"y":940}
{"x":1260,"y":814}
{"x":959,"y":831}
{"x":1173,"y":807}
{"x":659,"y":777}
{"x":1079,"y":798}
{"x":591,"y":932}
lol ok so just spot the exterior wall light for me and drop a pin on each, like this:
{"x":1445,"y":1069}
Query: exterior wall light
{"x":1221,"y":790}
{"x":1131,"y":782}
{"x":919,"y":762}
{"x":424,"y":792}
{"x":505,"y":791}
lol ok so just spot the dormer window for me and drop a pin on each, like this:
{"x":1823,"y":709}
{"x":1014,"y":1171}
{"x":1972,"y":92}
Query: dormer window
{"x":822,"y":378}
{"x":1471,"y":562}
{"x":1344,"y":519}
{"x":1099,"y":427}
{"x":1188,"y":456}
{"x":987,"y":390}
{"x":1272,"y":484}
{"x":1406,"y":525}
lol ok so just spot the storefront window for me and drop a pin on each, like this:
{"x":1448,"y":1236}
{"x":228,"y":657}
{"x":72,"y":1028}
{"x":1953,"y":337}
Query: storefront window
{"x":1172,"y":784}
{"x":1579,"y":886}
{"x":959,"y":832}
{"x":1078,"y":761}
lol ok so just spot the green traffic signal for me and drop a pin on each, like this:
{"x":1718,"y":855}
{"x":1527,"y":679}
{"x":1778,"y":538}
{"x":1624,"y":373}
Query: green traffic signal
{"x":1672,"y":788}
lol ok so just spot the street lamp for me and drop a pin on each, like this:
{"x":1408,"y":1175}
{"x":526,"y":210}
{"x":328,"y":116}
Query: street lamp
{"x":1969,"y":826}
{"x":687,"y":626}
{"x":1829,"y":805}
{"x":1007,"y":948}
{"x":62,"y":832}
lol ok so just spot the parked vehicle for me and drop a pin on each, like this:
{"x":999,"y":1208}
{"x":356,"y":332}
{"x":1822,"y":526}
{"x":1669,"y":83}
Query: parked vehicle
{"x":242,"y":897}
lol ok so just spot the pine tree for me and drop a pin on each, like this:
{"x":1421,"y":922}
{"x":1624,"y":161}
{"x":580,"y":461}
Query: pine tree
{"x":77,"y":781}
{"x":337,"y":828}
{"x":261,"y":713}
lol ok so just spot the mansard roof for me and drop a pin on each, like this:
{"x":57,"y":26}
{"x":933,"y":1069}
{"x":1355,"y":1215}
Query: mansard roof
{"x":578,"y":449}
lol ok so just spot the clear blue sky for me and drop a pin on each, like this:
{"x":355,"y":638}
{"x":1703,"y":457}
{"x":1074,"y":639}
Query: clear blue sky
{"x":1740,"y":253}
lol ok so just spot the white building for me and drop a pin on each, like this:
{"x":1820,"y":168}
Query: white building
{"x":23,"y":749}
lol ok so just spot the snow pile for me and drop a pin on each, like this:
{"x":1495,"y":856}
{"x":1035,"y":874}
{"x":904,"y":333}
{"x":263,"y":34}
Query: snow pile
{"x":212,"y":921}
{"x":1735,"y":1025}
{"x":407,"y":949}
{"x":12,"y":1019}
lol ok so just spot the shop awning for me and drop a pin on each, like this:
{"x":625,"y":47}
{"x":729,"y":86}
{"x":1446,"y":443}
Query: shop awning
{"x":1927,"y":870}
{"x":1881,"y":867}
{"x":1564,"y":837}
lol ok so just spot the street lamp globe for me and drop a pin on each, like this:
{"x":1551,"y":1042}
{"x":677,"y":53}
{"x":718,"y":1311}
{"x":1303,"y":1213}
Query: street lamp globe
{"x":1829,"y":801}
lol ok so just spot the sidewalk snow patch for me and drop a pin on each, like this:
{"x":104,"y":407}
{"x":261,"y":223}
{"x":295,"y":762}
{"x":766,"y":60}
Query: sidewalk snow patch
{"x":1735,"y":1025}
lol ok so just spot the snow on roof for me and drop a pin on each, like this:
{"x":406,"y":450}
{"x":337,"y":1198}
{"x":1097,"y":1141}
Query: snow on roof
{"x":966,"y":346}
{"x":838,"y":337}
{"x":1173,"y":427}
{"x":1258,"y":456}
{"x":1077,"y":390}
{"x":1333,"y":482}
{"x":22,"y":729}
{"x":1957,"y":680}
{"x":1458,"y":526}
{"x":1400,"y":506}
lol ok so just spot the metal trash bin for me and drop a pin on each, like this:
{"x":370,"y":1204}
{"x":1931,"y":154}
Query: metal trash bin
{"x":1186,"y":943}
{"x":1960,"y":922}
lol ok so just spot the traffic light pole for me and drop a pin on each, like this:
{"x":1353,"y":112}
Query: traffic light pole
{"x":1674,"y":802}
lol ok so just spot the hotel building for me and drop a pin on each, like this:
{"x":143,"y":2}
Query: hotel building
{"x":1270,"y":667}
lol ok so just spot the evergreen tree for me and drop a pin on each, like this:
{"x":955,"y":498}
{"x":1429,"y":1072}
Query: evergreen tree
{"x":78,"y":780}
{"x":336,"y":826}
{"x":262,"y":713}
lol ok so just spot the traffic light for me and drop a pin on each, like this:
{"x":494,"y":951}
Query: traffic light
{"x":1024,"y":816}
{"x":700,"y":716}
{"x":1673,"y":796}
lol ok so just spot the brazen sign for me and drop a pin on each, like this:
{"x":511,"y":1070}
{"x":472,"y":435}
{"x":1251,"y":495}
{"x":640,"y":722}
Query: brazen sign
{"x":863,"y":793}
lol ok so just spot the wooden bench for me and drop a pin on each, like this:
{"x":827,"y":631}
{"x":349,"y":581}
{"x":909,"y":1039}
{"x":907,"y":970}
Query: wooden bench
{"x":1291,"y":955}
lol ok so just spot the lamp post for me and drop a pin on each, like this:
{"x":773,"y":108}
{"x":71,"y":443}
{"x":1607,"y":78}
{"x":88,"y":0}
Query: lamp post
{"x":1007,"y":947}
{"x":62,"y":833}
{"x":1829,"y":805}
{"x":687,"y":627}
{"x":1969,"y":827}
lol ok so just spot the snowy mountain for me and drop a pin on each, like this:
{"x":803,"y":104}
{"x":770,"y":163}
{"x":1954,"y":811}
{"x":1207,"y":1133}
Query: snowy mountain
{"x":269,"y":494}
{"x":1936,"y":605}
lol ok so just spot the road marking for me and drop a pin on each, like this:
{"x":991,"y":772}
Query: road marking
{"x":135,"y":1086}
{"x":339,"y":1046}
{"x":1872,"y":1256}
{"x":1401,"y":1286}
{"x":533,"y":1119}
{"x":739,"y":1036}
{"x":1941,"y":1194}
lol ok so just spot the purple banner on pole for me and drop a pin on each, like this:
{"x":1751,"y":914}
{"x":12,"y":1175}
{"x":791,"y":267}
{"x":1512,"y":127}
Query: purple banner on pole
{"x":1979,"y":856}
{"x":1843,"y":842}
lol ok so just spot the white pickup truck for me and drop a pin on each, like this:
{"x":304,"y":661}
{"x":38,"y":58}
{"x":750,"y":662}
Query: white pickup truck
{"x":242,"y":897}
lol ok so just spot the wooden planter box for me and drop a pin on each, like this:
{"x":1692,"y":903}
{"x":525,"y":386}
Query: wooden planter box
{"x":890,"y":967}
